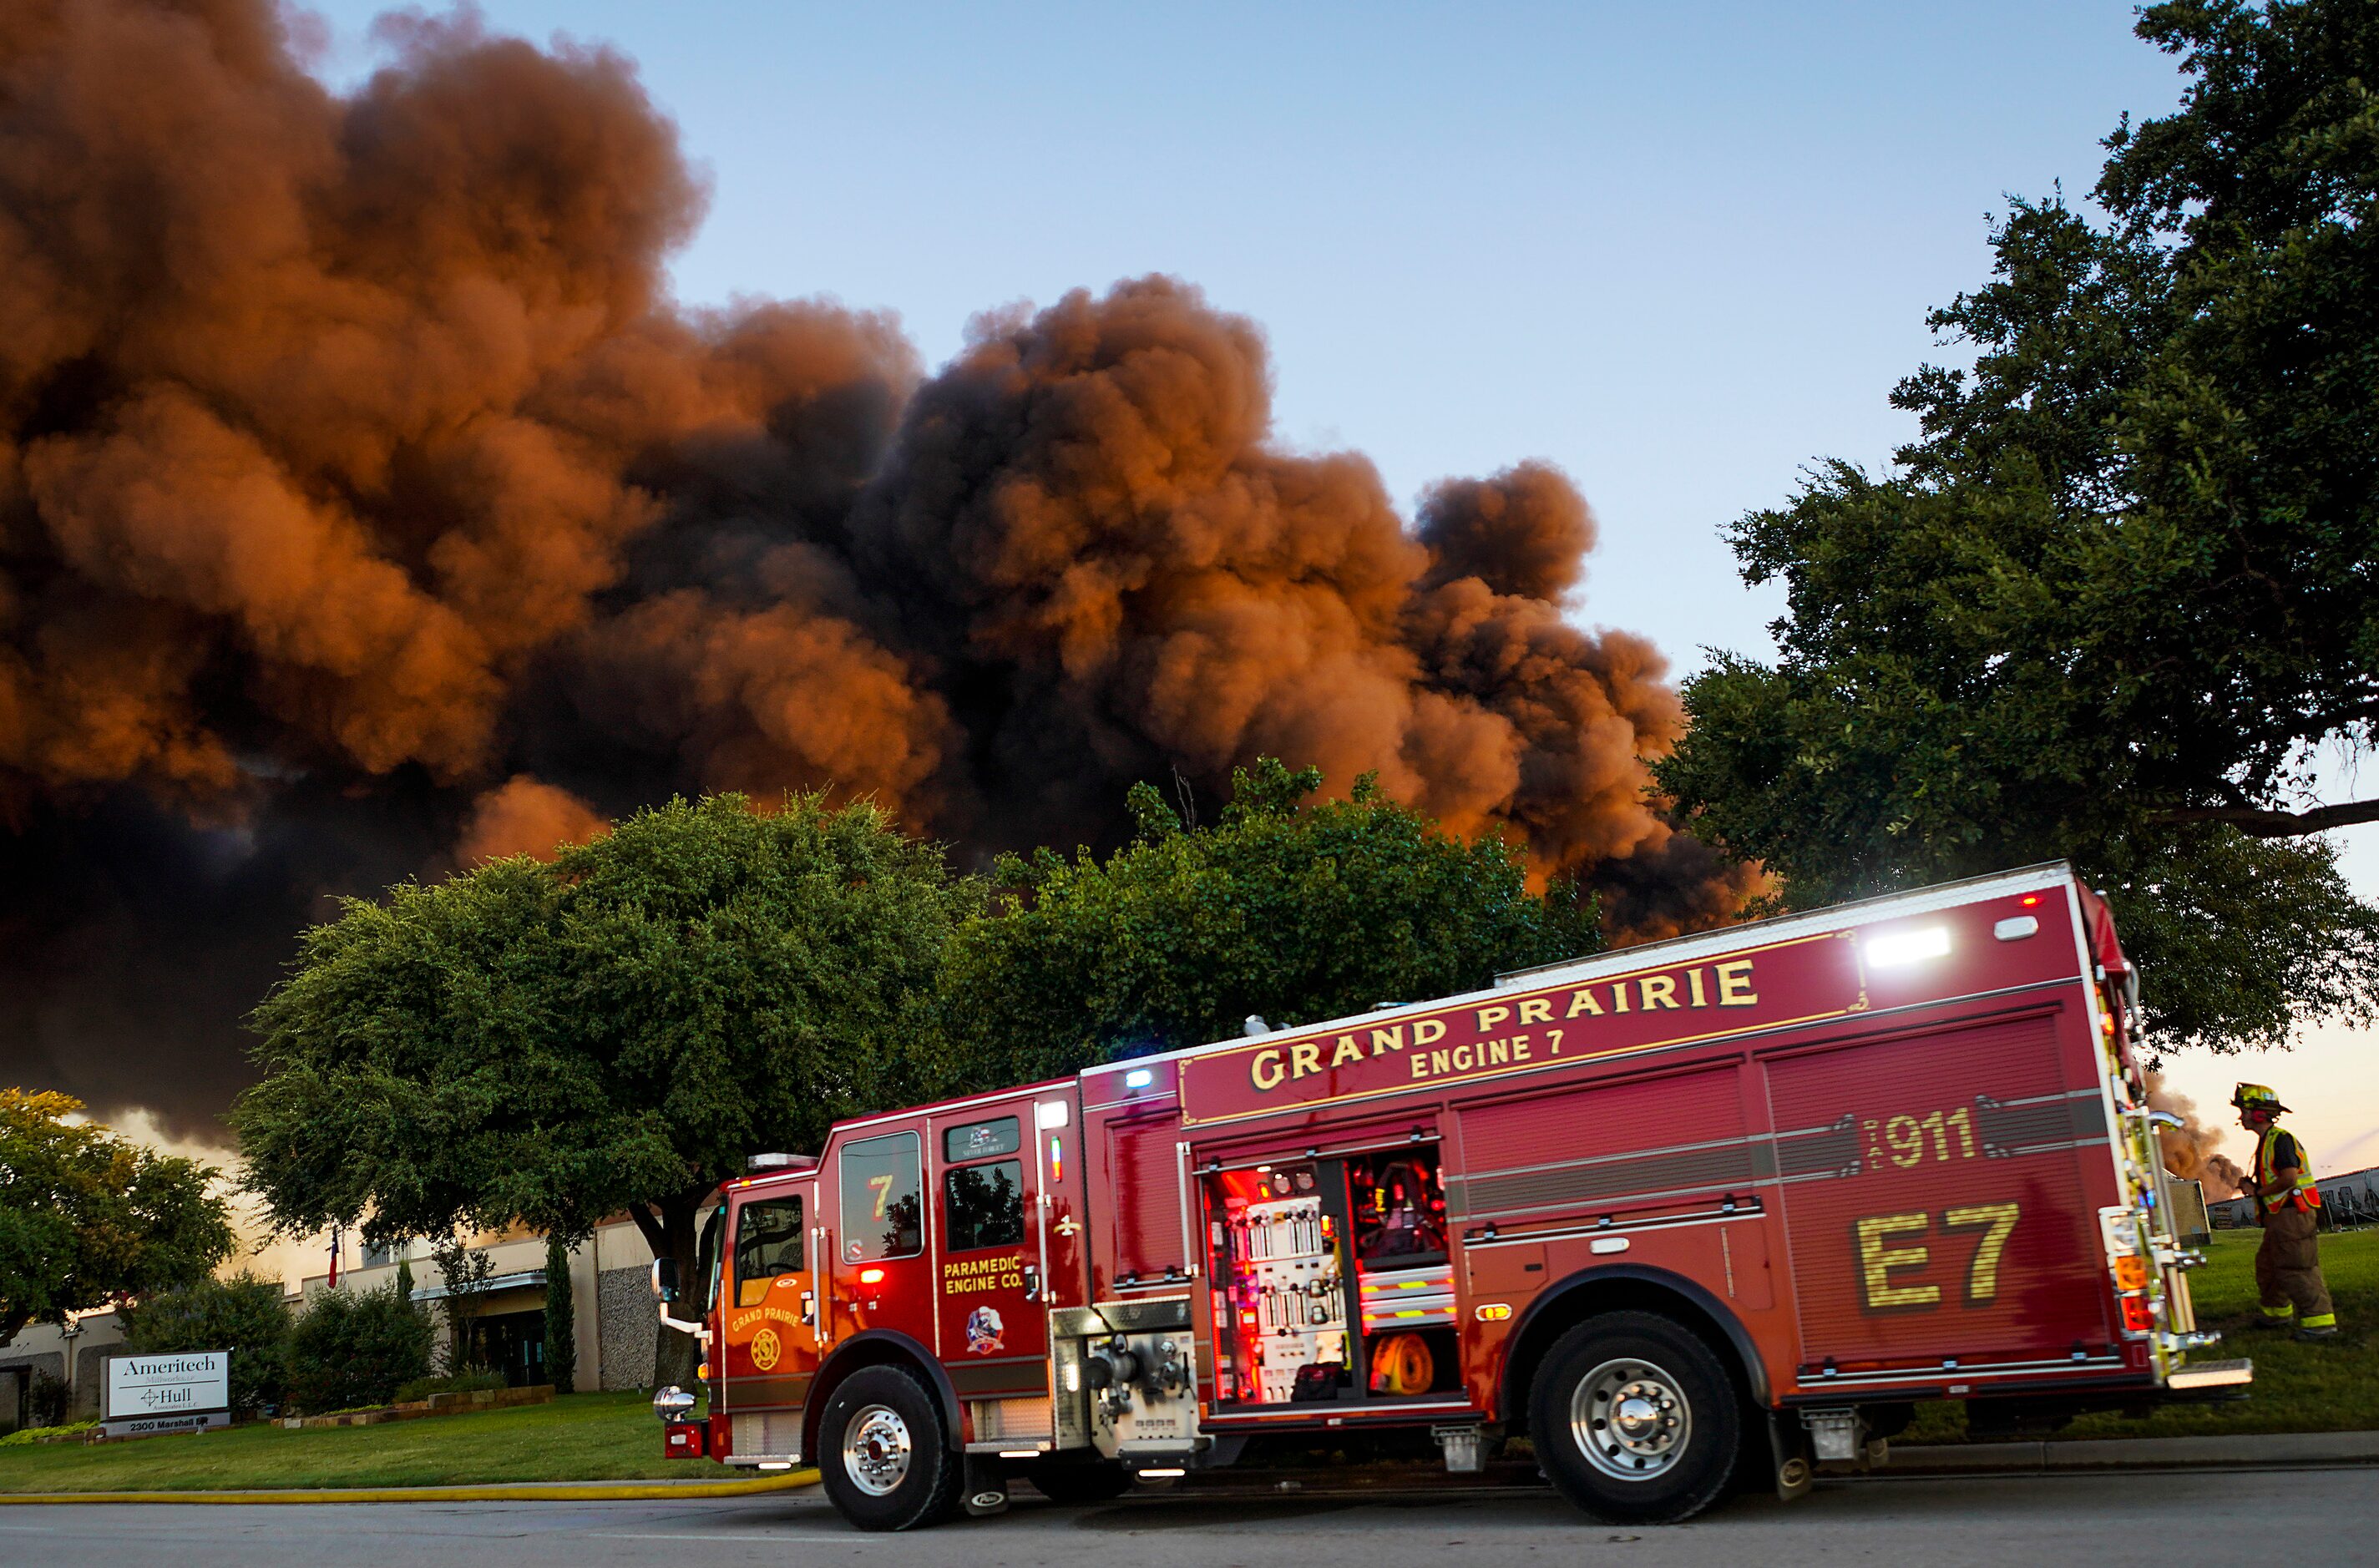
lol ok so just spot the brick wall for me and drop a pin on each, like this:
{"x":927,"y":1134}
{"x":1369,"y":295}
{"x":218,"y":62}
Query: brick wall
{"x":630,"y":1328}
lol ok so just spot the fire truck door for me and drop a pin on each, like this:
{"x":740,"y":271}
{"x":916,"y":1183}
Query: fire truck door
{"x":992,"y":1267}
{"x":769,"y":1350}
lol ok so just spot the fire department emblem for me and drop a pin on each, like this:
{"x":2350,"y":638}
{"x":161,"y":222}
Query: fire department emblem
{"x":983,"y":1330}
{"x":766,"y":1348}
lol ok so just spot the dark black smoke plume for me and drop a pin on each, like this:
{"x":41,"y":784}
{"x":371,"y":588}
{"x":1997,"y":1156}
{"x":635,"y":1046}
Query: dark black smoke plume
{"x":367,"y":508}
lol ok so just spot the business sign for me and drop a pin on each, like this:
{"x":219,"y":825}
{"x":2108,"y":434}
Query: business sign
{"x":147,"y":1395}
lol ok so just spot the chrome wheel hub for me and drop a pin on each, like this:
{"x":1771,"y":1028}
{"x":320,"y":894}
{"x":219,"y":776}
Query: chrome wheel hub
{"x":876,"y":1450}
{"x":1631,"y":1419}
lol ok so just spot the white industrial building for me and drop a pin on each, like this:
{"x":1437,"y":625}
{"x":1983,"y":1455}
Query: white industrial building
{"x":611,"y":1302}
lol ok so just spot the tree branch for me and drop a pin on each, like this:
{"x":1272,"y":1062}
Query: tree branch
{"x":2257,"y":823}
{"x":2319,"y":724}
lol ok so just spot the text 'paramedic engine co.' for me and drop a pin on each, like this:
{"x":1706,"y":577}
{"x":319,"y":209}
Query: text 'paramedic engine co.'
{"x":1790,"y":982}
{"x":962,"y":1276}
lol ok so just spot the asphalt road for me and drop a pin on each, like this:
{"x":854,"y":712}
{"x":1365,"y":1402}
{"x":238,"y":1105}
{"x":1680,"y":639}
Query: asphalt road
{"x":2305,"y":1516}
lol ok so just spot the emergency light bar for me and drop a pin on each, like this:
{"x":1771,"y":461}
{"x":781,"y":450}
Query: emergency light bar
{"x":1906,"y":946}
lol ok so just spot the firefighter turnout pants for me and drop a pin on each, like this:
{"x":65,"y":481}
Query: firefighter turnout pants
{"x":2287,"y":1270}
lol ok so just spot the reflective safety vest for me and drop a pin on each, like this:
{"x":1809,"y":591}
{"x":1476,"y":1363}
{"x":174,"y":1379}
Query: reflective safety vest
{"x":2307,"y":1195}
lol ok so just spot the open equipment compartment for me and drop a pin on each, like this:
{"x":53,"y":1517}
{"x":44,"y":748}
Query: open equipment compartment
{"x":1404,"y":1275}
{"x":1332,"y":1282}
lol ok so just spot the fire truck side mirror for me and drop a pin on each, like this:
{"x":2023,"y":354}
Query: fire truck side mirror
{"x":664,"y":1279}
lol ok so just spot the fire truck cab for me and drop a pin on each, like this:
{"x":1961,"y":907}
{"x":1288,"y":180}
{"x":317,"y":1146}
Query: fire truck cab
{"x":1716,"y":1208}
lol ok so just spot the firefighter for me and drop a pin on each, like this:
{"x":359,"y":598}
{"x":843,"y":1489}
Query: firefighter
{"x":2287,"y":1205}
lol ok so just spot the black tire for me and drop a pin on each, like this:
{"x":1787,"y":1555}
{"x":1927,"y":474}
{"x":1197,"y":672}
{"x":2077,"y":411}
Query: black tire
{"x":1079,"y":1480}
{"x":1635,"y":1419}
{"x":884,"y":1454}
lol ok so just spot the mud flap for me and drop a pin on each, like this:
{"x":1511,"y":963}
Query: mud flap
{"x":985,"y":1489}
{"x":1788,"y":1445}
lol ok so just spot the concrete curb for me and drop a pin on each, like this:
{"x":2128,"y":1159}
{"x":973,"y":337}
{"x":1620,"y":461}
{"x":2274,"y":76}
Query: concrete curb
{"x":2278,"y":1449}
{"x":2133,"y":1453}
{"x":518,"y":1491}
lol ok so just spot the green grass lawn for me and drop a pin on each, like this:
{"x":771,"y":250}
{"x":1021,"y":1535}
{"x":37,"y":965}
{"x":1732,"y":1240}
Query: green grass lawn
{"x":2299,"y":1388}
{"x":592,"y":1437}
{"x":582,"y":1437}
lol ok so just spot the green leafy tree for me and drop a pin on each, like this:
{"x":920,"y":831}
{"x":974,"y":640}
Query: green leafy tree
{"x":463,"y":1274}
{"x":561,"y":1318}
{"x":245,"y":1315}
{"x":1297,"y":912}
{"x":2116,"y":600}
{"x":616,"y":1032}
{"x":351,"y":1348}
{"x":89,"y":1220}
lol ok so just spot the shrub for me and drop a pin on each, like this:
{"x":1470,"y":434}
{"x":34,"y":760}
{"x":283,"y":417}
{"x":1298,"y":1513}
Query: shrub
{"x":45,"y":1402}
{"x":465,"y":1382}
{"x":355,"y":1349}
{"x":561,"y":1319}
{"x":27,"y":1436}
{"x":244,"y":1315}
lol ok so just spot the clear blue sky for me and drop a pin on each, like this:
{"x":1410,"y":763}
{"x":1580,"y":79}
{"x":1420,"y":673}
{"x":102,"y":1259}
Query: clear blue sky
{"x":1680,"y":250}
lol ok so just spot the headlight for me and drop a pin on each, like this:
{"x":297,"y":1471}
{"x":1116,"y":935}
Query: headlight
{"x":672,"y":1403}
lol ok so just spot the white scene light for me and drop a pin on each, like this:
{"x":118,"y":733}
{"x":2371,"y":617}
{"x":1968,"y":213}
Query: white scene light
{"x":1139,"y":1078}
{"x":1906,"y":946}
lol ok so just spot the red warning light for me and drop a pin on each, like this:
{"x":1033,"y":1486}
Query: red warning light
{"x":2030,"y":900}
{"x":871,"y":1276}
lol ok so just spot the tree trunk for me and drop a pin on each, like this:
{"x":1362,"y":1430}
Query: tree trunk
{"x":668,"y":1228}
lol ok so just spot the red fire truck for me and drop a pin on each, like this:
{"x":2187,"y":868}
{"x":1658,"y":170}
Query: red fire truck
{"x":1716,"y":1209}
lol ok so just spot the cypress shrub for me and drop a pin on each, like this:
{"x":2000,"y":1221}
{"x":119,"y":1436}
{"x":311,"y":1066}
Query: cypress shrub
{"x":561,"y":1319}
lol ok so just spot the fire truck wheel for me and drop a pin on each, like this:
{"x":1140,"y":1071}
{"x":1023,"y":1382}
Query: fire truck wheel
{"x":884,"y":1457}
{"x":1635,"y":1419}
{"x":1079,"y":1480}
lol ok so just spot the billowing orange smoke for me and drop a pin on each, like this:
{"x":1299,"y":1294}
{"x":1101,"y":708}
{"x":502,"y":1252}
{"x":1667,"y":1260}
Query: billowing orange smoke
{"x":366,"y":505}
{"x":2193,"y":1150}
{"x":525,"y":818}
